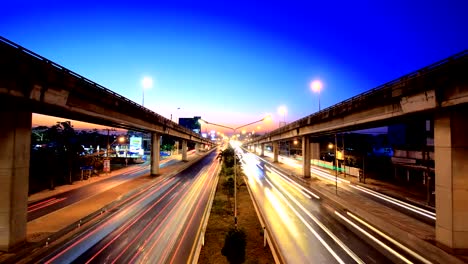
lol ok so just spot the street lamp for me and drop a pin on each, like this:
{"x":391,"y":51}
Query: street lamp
{"x":266,"y":118}
{"x":330,"y":147}
{"x":178,"y":108}
{"x":316,"y":87}
{"x":282,"y":111}
{"x":147,"y":83}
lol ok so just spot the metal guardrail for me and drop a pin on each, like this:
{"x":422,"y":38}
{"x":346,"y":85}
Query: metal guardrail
{"x":44,"y":60}
{"x":381,"y":89}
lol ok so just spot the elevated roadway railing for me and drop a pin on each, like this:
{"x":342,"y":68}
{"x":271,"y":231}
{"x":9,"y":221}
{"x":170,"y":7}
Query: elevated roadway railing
{"x":443,"y":84}
{"x":43,"y":86}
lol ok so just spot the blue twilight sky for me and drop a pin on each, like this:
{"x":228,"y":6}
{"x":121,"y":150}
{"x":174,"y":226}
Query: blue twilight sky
{"x":233,"y":61}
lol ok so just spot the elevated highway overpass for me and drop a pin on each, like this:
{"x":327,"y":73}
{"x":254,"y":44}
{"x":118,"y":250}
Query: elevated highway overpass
{"x":438,"y":92}
{"x":30,"y":83}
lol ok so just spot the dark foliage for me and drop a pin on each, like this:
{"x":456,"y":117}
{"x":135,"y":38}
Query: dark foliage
{"x":234,"y":246}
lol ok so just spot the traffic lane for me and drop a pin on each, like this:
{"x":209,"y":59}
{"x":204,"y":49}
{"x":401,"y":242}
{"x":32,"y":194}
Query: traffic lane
{"x":296,"y":243}
{"x":416,"y":212}
{"x":56,"y":202}
{"x":190,"y":215}
{"x":116,"y":245}
{"x":320,"y":222}
{"x":293,"y":240}
{"x":157,"y":221}
{"x":185,"y":249}
{"x":62,"y":200}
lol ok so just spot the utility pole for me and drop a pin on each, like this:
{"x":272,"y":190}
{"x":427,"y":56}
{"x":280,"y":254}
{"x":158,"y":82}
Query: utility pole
{"x":336,"y":167}
{"x":344,"y":160}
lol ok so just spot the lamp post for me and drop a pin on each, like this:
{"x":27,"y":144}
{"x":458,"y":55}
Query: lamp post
{"x":336,"y":166}
{"x":282,"y":110}
{"x":234,"y":130}
{"x":178,"y":108}
{"x":316,"y":87}
{"x":147,"y":83}
{"x":330,"y":147}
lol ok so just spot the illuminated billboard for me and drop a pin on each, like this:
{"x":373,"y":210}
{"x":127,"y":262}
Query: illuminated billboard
{"x":135,"y":144}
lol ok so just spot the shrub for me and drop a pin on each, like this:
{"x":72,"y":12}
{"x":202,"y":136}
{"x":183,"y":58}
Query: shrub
{"x":228,"y":187}
{"x":234,"y":246}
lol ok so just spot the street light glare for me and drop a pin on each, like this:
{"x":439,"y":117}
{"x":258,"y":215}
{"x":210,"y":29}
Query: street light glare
{"x":282,"y":110}
{"x":147,"y":82}
{"x":266,"y":118}
{"x":316,"y":86}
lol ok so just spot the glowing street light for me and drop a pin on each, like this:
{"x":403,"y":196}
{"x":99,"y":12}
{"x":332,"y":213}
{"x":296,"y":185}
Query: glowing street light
{"x":147,"y":83}
{"x":282,"y":110}
{"x":316,"y":87}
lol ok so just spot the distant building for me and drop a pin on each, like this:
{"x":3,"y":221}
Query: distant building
{"x":413,"y":158}
{"x":191,"y":123}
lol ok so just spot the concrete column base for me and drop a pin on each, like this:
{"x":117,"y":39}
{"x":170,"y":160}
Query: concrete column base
{"x":15,"y":139}
{"x":451,"y":177}
{"x":275,"y":151}
{"x":306,"y":156}
{"x":155,"y":153}
{"x":184,"y":150}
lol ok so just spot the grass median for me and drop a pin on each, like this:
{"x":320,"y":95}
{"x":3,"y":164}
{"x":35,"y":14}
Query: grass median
{"x":221,"y":220}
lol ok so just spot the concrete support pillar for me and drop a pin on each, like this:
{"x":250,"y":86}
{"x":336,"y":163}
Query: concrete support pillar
{"x":155,"y":153}
{"x":184,"y":150}
{"x":315,"y":151}
{"x":176,"y":146}
{"x":275,"y":151}
{"x":15,"y":139}
{"x":262,"y":150}
{"x":197,"y":147}
{"x":306,"y":151}
{"x":451,"y":178}
{"x":255,"y":148}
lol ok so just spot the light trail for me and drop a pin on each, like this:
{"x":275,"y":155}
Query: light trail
{"x":394,"y":201}
{"x":373,"y":238}
{"x":320,"y":224}
{"x":130,"y":225}
{"x":317,"y":235}
{"x":106,"y":226}
{"x":205,"y":186}
{"x":44,"y":204}
{"x":295,"y":184}
{"x":411,"y":252}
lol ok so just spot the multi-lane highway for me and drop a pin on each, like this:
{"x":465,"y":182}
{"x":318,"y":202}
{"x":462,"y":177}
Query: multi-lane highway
{"x":160,"y":225}
{"x":304,"y":229}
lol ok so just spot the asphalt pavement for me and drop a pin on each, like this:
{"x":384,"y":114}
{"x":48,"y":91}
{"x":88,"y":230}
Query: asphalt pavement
{"x":67,"y":221}
{"x":40,"y":228}
{"x":407,"y":230}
